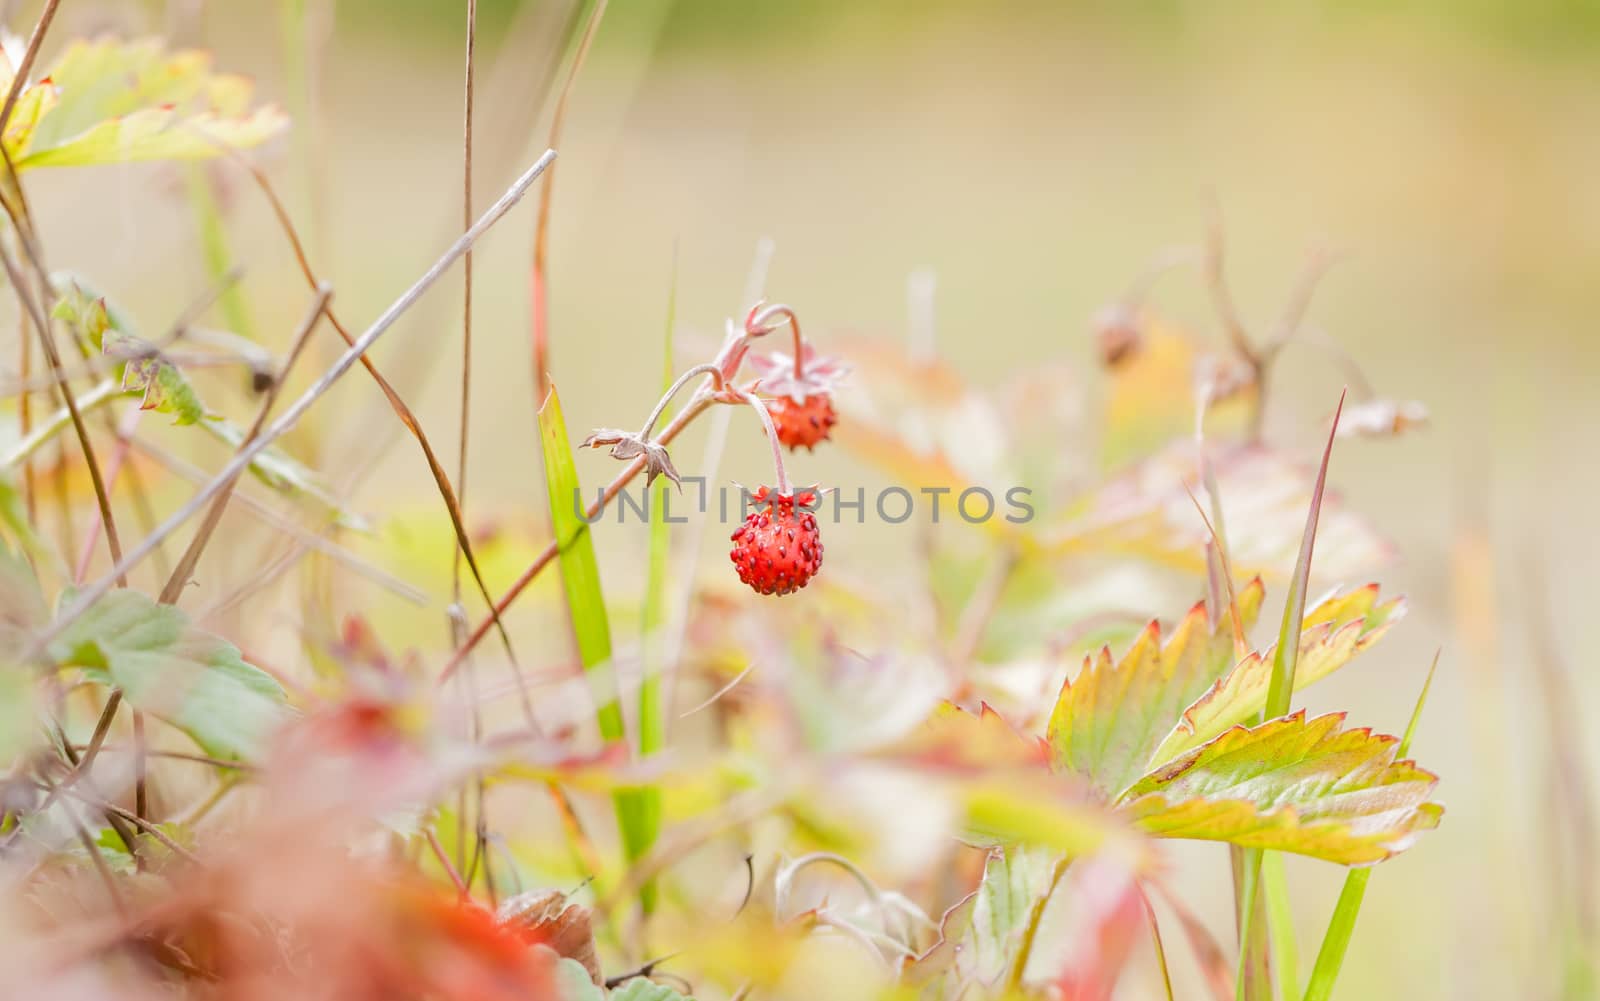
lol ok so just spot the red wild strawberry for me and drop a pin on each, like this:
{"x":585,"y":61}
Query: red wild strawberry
{"x":799,"y":395}
{"x":804,"y":423}
{"x":778,"y":549}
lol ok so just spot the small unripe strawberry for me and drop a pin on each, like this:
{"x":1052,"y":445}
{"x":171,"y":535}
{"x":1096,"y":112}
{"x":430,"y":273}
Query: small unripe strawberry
{"x":804,"y":423}
{"x":799,"y":396}
{"x":778,"y":549}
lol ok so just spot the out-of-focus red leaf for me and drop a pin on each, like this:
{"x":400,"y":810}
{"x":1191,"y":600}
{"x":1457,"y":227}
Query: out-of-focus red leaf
{"x":1104,"y":914}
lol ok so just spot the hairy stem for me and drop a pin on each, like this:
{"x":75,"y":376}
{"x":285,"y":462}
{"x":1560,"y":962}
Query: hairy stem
{"x":759,"y":323}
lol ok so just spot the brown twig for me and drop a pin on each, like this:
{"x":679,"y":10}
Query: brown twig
{"x":671,"y":431}
{"x":20,"y":79}
{"x":46,"y":339}
{"x":199,"y":759}
{"x":539,"y":275}
{"x":444,"y":861}
{"x":401,"y":410}
{"x":181,"y":573}
{"x":92,"y":593}
{"x":280,"y":523}
{"x":466,"y":286}
{"x":1221,"y":295}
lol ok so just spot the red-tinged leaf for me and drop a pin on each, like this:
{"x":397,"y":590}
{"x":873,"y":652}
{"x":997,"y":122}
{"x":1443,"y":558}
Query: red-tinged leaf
{"x":1286,"y":655}
{"x":1103,"y":913}
{"x":955,"y":740}
{"x":1215,"y":967}
{"x":1292,"y":785}
{"x":1110,"y":718}
{"x":1339,"y":627}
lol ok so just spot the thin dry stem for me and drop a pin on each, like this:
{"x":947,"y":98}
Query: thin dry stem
{"x":279,"y":523}
{"x":296,"y":410}
{"x":42,"y":325}
{"x":25,"y":67}
{"x":539,"y":275}
{"x":466,"y":287}
{"x":407,"y":418}
{"x":632,"y":469}
{"x":191,"y":556}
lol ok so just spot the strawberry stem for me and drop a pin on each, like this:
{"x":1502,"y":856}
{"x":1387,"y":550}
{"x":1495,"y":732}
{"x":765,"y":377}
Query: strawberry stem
{"x":759,"y":323}
{"x":722,"y":388}
{"x":772,"y":438}
{"x":682,"y":380}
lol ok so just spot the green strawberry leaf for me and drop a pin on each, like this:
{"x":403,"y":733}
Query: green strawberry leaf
{"x":980,"y":934}
{"x":1339,"y":627}
{"x":1294,"y":785}
{"x":640,"y":989}
{"x":571,"y":979}
{"x":166,"y":389}
{"x":174,"y":671}
{"x":1109,"y":719}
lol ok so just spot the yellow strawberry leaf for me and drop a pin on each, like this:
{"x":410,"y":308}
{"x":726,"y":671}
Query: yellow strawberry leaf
{"x":1151,"y":398}
{"x":1339,"y":627}
{"x":117,"y":102}
{"x":1295,"y":785}
{"x":1109,"y":719}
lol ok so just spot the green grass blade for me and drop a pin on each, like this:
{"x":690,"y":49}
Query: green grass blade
{"x":1294,"y":609}
{"x":1330,"y":957}
{"x":586,"y":606}
{"x":1404,"y":747}
{"x":1280,"y":925}
{"x":580,"y":572}
{"x":1281,"y":688}
{"x":652,"y":721}
{"x":219,"y":259}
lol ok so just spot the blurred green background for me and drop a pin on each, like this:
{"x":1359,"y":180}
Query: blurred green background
{"x":1034,"y":156}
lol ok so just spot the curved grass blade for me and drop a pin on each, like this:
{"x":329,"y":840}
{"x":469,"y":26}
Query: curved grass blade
{"x":1343,"y":923}
{"x":1279,"y":690}
{"x":652,"y":719}
{"x":586,"y":605}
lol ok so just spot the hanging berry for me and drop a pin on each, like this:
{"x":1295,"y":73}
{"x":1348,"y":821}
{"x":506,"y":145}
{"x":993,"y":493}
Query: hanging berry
{"x":798,"y":387}
{"x":778,"y":548}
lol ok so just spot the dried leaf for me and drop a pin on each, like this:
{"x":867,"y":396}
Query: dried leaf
{"x":545,"y":917}
{"x":628,"y":445}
